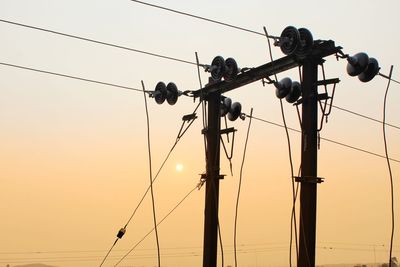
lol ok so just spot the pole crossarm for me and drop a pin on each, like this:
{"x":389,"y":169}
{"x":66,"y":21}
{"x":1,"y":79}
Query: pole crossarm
{"x":321,"y":49}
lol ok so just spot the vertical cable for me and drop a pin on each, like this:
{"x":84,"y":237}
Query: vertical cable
{"x":240,"y":185}
{"x":389,"y":166}
{"x":293,"y":219}
{"x":151,"y":175}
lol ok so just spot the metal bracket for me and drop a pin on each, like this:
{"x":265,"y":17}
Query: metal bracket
{"x":227,"y":130}
{"x":189,"y":117}
{"x":323,"y":96}
{"x":223,"y":131}
{"x":204,"y":177}
{"x":309,"y":179}
{"x":328,"y":81}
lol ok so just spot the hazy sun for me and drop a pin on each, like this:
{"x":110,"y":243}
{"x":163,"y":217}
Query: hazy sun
{"x":179,"y":167}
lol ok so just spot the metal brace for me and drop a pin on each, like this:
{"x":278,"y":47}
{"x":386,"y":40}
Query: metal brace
{"x":309,"y":179}
{"x":204,"y":177}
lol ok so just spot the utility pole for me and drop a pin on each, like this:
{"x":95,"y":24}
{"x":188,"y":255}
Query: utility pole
{"x":308,"y":179}
{"x":308,"y":194}
{"x":212,"y":177}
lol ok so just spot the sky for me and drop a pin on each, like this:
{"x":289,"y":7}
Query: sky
{"x":73,"y":154}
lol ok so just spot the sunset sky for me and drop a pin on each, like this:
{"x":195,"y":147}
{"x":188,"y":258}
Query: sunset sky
{"x":73,"y":154}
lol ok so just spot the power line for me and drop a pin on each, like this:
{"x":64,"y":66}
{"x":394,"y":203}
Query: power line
{"x":364,"y":116}
{"x":151,"y":53}
{"x":389,"y":167}
{"x":96,"y":41}
{"x":181,"y":133}
{"x":151,"y":177}
{"x":198,"y":17}
{"x":240,"y":185}
{"x":69,"y":76}
{"x":138,"y":90}
{"x":328,"y":140}
{"x":165,"y":217}
{"x":293,"y":221}
{"x":389,"y":78}
{"x":219,"y":23}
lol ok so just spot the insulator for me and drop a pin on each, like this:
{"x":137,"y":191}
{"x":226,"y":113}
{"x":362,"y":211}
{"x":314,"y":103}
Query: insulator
{"x":283,"y":87}
{"x":295,"y":92}
{"x":231,"y":69}
{"x":160,"y":93}
{"x":172,"y":93}
{"x":226,"y":104}
{"x":217,"y":68}
{"x":289,"y":40}
{"x":235,"y":111}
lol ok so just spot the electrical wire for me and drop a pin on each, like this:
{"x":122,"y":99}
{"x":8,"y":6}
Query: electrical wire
{"x":328,"y":140}
{"x":139,"y":90}
{"x":389,"y":168}
{"x":293,"y":221}
{"x":108,"y":252}
{"x":151,"y":177}
{"x":219,"y":23}
{"x":365,"y":117}
{"x":389,"y":78}
{"x":198,"y":17}
{"x":69,"y":76}
{"x":240,"y":185}
{"x":181,"y":133}
{"x":203,"y":105}
{"x":96,"y":41}
{"x":165,"y":217}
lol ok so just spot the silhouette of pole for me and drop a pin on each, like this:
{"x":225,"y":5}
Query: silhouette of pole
{"x":212,"y":133}
{"x":308,"y":179}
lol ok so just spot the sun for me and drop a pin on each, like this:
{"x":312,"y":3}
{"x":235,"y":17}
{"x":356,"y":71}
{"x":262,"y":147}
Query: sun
{"x":179,"y":167}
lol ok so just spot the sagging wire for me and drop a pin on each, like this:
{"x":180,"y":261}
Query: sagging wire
{"x":70,"y":76}
{"x":216,"y":208}
{"x":293,"y":220}
{"x":293,"y":216}
{"x":240,"y":185}
{"x":323,"y":106}
{"x":203,"y":103}
{"x":327,"y":139}
{"x":197,"y":17}
{"x":366,"y":117}
{"x":325,"y":114}
{"x":389,"y":166}
{"x":188,"y":121}
{"x":97,"y":42}
{"x":198,"y":186}
{"x":229,"y":155}
{"x":151,"y":177}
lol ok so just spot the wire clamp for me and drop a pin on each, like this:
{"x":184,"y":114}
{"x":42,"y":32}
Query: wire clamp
{"x":309,"y":179}
{"x":121,"y":232}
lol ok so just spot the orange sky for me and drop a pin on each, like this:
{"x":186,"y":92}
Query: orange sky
{"x":74,"y":157}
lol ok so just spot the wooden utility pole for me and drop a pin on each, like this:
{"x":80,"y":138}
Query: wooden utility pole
{"x":308,"y":179}
{"x":212,"y":177}
{"x":308,"y":194}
